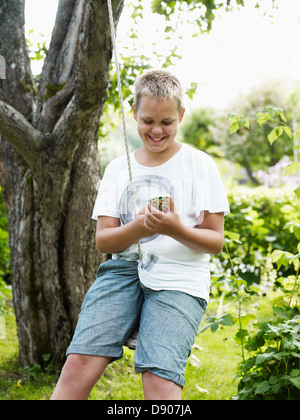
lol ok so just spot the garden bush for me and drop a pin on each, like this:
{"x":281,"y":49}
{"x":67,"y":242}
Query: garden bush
{"x":258,"y":216}
{"x":269,"y":324}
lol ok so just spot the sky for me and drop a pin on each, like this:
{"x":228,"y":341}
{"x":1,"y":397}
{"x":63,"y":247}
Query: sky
{"x":244,"y":48}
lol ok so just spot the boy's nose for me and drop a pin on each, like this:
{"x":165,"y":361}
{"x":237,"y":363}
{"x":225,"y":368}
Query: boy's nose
{"x":157,"y":130}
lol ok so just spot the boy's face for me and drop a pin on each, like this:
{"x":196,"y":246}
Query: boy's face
{"x":157,"y":121}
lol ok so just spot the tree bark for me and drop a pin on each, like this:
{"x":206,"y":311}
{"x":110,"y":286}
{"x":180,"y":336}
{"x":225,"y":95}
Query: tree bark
{"x":49,"y":168}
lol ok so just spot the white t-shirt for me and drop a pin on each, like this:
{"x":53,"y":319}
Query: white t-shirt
{"x":193,"y":180}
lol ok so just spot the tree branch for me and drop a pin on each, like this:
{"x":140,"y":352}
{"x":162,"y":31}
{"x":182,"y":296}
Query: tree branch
{"x":13,"y":47}
{"x":58,"y":77}
{"x":21,"y":134}
{"x":63,"y":18}
{"x":95,"y":53}
{"x":92,"y":74}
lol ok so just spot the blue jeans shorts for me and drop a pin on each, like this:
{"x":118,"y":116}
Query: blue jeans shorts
{"x":117,"y":303}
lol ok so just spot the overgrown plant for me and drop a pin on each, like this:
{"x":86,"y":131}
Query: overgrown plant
{"x":270,"y":334}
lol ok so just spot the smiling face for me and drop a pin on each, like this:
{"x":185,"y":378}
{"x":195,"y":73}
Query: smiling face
{"x":158,"y":120}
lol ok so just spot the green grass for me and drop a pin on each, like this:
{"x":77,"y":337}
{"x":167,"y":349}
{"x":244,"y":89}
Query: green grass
{"x":211,"y":367}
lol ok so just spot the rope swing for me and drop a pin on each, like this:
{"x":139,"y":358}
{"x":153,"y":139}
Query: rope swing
{"x":114,"y":45}
{"x":132,"y":340}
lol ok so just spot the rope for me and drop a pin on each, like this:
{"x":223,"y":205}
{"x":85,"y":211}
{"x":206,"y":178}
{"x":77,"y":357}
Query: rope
{"x":114,"y":44}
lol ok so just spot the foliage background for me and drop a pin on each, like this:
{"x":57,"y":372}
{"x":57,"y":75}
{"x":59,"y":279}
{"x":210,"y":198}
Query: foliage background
{"x":251,"y":291}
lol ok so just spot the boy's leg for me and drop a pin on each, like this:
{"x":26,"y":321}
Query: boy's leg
{"x":157,"y":388}
{"x":168,"y":327}
{"x":109,"y":313}
{"x":79,"y":375}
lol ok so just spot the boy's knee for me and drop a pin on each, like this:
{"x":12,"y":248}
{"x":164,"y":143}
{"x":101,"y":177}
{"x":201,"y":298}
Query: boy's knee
{"x":82,"y":366}
{"x":74,"y":366}
{"x":76,"y":362}
{"x":156,"y":387}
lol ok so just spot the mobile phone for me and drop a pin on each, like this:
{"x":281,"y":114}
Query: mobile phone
{"x":161,"y":203}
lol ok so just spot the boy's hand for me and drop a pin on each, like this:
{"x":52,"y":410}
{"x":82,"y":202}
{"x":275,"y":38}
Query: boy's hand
{"x":157,"y":222}
{"x":140,"y":227}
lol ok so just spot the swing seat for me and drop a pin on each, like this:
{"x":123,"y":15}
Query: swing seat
{"x":131,"y":342}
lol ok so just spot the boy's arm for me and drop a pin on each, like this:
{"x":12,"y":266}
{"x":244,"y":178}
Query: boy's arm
{"x":208,"y":238}
{"x":113,"y":238}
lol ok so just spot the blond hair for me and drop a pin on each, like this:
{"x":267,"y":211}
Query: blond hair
{"x":160,"y":84}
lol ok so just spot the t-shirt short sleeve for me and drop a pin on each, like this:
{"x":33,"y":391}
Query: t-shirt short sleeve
{"x":209,"y":191}
{"x":106,"y":201}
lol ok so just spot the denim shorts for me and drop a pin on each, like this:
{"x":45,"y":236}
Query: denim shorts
{"x":117,"y":303}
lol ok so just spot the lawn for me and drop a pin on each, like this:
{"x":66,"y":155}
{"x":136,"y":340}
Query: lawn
{"x":209,"y":376}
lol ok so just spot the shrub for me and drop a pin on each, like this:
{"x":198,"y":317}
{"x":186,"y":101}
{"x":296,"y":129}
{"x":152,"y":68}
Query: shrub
{"x":258,"y":215}
{"x":273,"y":370}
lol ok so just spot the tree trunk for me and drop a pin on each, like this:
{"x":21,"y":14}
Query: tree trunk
{"x":49,"y":168}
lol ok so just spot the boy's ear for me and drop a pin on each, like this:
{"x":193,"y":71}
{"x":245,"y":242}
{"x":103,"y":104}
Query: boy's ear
{"x":182,"y":114}
{"x":134,"y":112}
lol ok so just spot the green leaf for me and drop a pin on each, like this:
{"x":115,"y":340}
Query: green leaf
{"x":294,"y":373}
{"x":262,"y":118}
{"x":214,"y":327}
{"x":226,"y":320}
{"x":297,"y":231}
{"x":235,"y":237}
{"x":297,"y":192}
{"x":275,"y":388}
{"x":261,"y":358}
{"x":295,"y":381}
{"x":240,"y":336}
{"x":274,"y":111}
{"x":245,"y":319}
{"x":282,"y":116}
{"x":282,"y":258}
{"x":265,"y":314}
{"x":272,"y":136}
{"x":288,"y":131}
{"x":293,"y":228}
{"x":234,"y":127}
{"x":292,"y":168}
{"x":192,"y":90}
{"x":204,"y":328}
{"x":273,"y":380}
{"x":262,"y":388}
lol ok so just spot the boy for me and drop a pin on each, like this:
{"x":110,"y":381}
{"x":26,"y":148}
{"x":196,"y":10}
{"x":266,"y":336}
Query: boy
{"x":167,"y":291}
